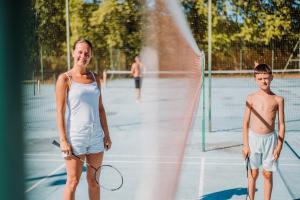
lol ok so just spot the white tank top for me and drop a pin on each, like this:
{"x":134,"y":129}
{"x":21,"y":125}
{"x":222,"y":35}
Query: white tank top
{"x":83,"y":103}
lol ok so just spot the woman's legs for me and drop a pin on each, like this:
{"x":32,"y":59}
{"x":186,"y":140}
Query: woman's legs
{"x":96,"y":161}
{"x":74,"y":170}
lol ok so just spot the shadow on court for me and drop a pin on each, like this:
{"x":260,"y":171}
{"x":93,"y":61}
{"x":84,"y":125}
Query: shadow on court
{"x":53,"y":176}
{"x":225,"y":194}
{"x":225,"y":147}
{"x":58,"y":182}
{"x":42,"y":177}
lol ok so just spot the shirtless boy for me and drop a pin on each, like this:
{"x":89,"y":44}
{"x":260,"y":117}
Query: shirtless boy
{"x":136,"y":71}
{"x":260,"y":142}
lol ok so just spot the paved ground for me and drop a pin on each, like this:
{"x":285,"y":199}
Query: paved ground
{"x":146,"y":163}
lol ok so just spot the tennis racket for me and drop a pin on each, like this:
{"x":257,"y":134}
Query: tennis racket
{"x":107,"y":176}
{"x":247,"y":164}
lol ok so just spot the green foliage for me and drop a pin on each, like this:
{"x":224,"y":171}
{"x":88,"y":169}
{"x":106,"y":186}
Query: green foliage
{"x":31,"y":40}
{"x":244,"y":22}
{"x":50,"y":26}
{"x":118,"y":26}
{"x":115,"y":27}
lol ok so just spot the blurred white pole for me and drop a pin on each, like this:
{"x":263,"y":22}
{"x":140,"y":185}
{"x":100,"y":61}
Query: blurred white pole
{"x":68,"y":34}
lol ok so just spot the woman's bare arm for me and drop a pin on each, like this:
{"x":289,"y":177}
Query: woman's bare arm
{"x":246,"y":121}
{"x":103,"y":120}
{"x":281,"y":127}
{"x":61,"y":95}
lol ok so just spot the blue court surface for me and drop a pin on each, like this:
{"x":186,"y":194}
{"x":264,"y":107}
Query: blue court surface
{"x":217,"y":173}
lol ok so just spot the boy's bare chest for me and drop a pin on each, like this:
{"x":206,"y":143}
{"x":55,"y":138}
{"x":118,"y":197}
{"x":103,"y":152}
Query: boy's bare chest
{"x":265,"y":104}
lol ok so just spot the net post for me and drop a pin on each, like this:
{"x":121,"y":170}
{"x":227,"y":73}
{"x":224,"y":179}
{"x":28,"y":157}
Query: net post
{"x":203,"y":100}
{"x":209,"y":62}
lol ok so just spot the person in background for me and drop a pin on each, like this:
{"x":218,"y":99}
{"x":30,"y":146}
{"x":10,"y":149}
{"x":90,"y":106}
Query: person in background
{"x":136,"y":71}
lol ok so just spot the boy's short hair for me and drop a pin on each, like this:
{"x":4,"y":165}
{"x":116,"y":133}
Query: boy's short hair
{"x":262,"y":69}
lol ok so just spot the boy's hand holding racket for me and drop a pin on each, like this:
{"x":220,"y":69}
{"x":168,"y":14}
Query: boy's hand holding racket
{"x":246,"y":151}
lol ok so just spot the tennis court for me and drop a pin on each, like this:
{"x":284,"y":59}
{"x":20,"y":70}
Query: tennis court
{"x":218,"y":173}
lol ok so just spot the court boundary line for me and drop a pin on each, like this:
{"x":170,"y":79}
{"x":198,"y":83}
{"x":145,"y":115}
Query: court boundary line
{"x":44,"y":179}
{"x":201,"y":178}
{"x":285,"y":184}
{"x":280,"y":174}
{"x":152,"y":156}
{"x":292,"y":149}
{"x":164,"y":162}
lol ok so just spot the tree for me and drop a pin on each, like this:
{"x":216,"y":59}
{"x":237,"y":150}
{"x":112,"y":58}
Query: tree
{"x":51,"y":26}
{"x":117,"y":25}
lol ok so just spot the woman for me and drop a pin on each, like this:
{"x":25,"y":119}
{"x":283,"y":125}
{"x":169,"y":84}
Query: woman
{"x":84,"y":132}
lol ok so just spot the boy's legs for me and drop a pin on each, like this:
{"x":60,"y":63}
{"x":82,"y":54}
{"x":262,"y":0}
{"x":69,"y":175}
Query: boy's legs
{"x":269,"y":165}
{"x":252,"y":177}
{"x":268,"y":184}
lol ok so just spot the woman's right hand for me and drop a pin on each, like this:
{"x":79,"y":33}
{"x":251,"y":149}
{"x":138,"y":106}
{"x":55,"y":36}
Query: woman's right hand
{"x":66,"y":148}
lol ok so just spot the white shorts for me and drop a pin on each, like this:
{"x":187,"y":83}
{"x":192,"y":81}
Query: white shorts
{"x":85,"y":138}
{"x":261,"y":150}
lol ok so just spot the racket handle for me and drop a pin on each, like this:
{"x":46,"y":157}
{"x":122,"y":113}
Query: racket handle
{"x":56,"y":143}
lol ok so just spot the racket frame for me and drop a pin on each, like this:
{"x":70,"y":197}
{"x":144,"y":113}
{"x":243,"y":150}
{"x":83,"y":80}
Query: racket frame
{"x":96,"y":169}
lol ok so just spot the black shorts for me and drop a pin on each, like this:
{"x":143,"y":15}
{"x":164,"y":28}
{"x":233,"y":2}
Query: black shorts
{"x":138,"y":82}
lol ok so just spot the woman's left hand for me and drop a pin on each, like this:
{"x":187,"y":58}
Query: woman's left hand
{"x":107,"y":143}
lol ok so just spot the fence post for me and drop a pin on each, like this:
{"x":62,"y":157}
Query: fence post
{"x":299,"y":55}
{"x":272,"y":66}
{"x":33,"y":80}
{"x":241,"y":59}
{"x":54,"y":81}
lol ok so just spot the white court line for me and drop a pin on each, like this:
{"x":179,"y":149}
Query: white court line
{"x":40,"y":154}
{"x":44,"y":179}
{"x":201,"y":179}
{"x":154,"y":156}
{"x":162,"y":162}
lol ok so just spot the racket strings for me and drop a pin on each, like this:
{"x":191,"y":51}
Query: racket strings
{"x":109,"y":177}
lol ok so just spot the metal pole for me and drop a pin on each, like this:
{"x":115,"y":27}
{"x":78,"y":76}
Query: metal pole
{"x":209,"y":66}
{"x":299,"y":54}
{"x":272,"y":67}
{"x":54,"y":81}
{"x":33,"y":78}
{"x":241,"y":59}
{"x":68,"y":34}
{"x":203,"y":102}
{"x":41,"y":62}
